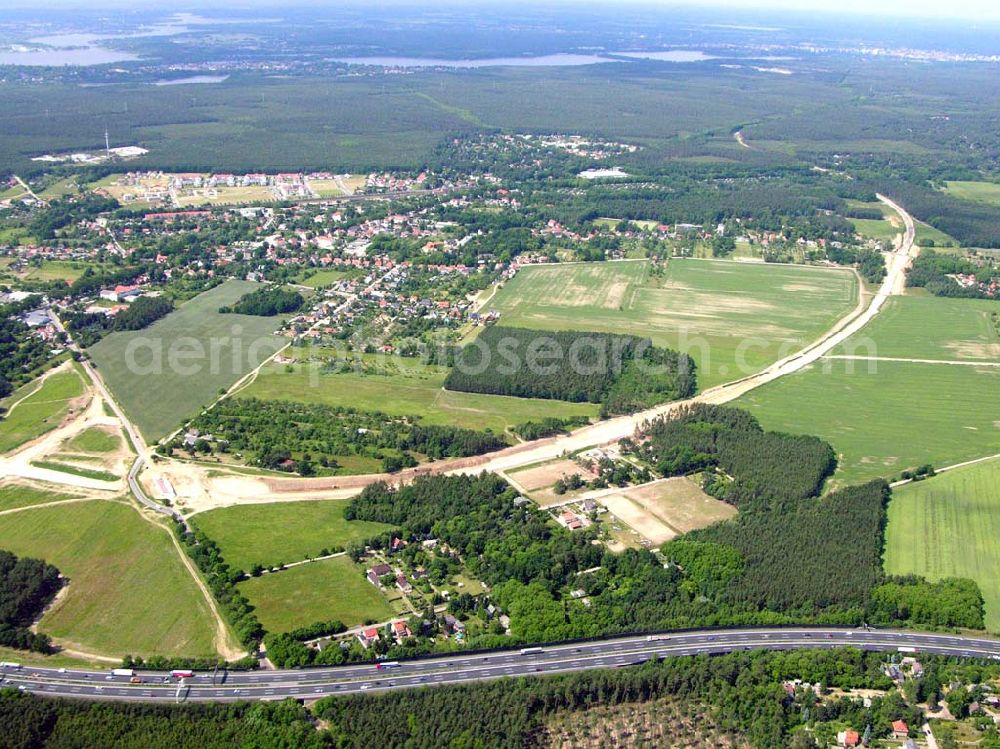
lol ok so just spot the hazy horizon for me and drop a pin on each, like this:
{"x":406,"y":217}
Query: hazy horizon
{"x":959,"y":10}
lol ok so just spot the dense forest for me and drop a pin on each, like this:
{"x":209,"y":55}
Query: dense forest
{"x":973,"y":224}
{"x":308,"y":438}
{"x":142,"y":312}
{"x":266,"y":302}
{"x":27,"y":586}
{"x":31,"y":722}
{"x":751,"y":463}
{"x":622,"y":373}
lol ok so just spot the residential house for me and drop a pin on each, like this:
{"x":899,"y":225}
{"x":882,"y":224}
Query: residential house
{"x":367,"y":636}
{"x":400,"y":631}
{"x":452,"y":625}
{"x":848,"y":738}
{"x":403,"y":584}
{"x":900,"y":730}
{"x":376,"y":573}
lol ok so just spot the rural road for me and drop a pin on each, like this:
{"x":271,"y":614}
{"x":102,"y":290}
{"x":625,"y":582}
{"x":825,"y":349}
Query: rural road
{"x":612,"y":652}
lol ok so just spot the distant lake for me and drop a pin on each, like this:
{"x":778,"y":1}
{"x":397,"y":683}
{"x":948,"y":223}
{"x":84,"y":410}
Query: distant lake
{"x":191,"y":79}
{"x":670,"y":55}
{"x":72,"y":49}
{"x":557,"y":60}
{"x":79,"y":48}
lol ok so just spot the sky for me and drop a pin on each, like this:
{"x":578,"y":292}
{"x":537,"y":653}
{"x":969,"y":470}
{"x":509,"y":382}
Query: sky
{"x":967,"y":9}
{"x":985,"y":10}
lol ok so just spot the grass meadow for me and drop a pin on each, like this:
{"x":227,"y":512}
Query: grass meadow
{"x":980,"y":192}
{"x":42,"y":410}
{"x":733,"y":318}
{"x":318,"y":591}
{"x":158,"y":395}
{"x":14,"y":496}
{"x":948,"y":526}
{"x":128,"y":590}
{"x":406,"y":387}
{"x":899,"y":416}
{"x":281,"y":532}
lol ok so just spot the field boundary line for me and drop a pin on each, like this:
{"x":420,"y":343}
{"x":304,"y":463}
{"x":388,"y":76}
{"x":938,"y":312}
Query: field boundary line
{"x":907,"y":360}
{"x":945,"y":469}
{"x":54,"y":503}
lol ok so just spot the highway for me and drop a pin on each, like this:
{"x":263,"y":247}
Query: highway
{"x":616,"y":652}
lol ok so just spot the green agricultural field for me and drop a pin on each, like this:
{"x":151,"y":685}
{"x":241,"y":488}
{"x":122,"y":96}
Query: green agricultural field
{"x":319,"y":591}
{"x":948,"y":526}
{"x":901,"y":416}
{"x":733,"y":318}
{"x":281,"y":532}
{"x":928,"y":327}
{"x":163,"y":374}
{"x":128,"y":589}
{"x":42,"y":410}
{"x":980,"y":192}
{"x":406,"y":388}
{"x":14,"y":496}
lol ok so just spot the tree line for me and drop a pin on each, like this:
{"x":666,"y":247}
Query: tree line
{"x":27,"y":586}
{"x":304,"y":437}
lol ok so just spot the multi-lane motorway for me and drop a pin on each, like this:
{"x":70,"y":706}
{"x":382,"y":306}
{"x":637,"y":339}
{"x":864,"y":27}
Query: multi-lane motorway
{"x":461,"y":668}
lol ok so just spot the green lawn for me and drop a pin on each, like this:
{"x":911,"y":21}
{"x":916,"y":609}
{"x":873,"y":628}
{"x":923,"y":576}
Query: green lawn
{"x":95,"y":440}
{"x":322,"y":278}
{"x":13,"y":496}
{"x":948,"y":526}
{"x":128,"y":590}
{"x":319,"y":591}
{"x":980,"y":192}
{"x":929,"y":327}
{"x":733,"y":318}
{"x":163,"y":374}
{"x":281,"y":532}
{"x":41,"y":411}
{"x":900,"y":416}
{"x":928,"y":236}
{"x":407,"y":388}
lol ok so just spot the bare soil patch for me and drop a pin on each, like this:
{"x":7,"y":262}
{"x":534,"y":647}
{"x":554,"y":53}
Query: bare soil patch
{"x":546,"y":474}
{"x":638,"y":518}
{"x":681,"y":504}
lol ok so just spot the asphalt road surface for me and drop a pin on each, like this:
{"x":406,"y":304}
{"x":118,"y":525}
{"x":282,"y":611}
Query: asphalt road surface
{"x":313,"y":683}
